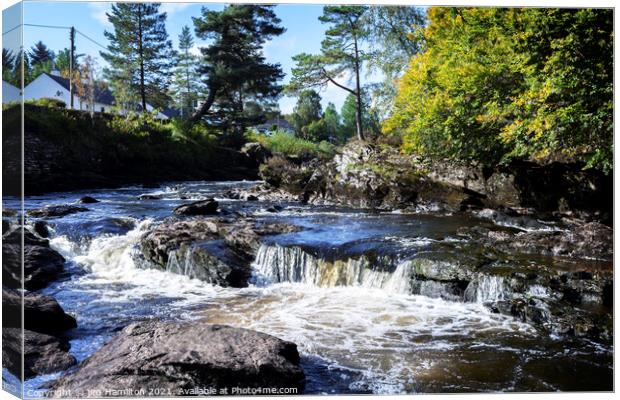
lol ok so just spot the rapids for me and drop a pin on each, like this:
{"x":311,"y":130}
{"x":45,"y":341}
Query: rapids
{"x":342,"y":289}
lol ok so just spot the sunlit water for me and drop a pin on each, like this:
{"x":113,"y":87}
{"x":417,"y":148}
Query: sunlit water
{"x":357,"y":328}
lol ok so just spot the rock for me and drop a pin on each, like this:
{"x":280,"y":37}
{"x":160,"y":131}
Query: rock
{"x":274,"y":208}
{"x":218,"y":251}
{"x":42,"y":313}
{"x":176,"y":358}
{"x":6,"y":225}
{"x":201,"y":207}
{"x":40,"y":228}
{"x":8,"y":212}
{"x":251,"y":197}
{"x":88,"y":200}
{"x":41,"y":263}
{"x":43,"y":354}
{"x":256,"y":152}
{"x":150,"y":197}
{"x":56,"y":211}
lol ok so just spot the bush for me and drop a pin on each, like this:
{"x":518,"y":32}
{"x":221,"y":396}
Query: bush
{"x":48,"y":102}
{"x":284,"y":143}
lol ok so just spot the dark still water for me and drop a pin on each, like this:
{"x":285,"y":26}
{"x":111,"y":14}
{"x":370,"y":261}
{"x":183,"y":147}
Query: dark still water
{"x":358,"y":328}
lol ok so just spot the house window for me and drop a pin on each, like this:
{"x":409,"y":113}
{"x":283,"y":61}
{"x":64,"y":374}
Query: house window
{"x":102,"y":109}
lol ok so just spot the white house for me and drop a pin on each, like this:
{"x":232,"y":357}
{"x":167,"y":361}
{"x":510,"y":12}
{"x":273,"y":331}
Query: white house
{"x":10,"y":93}
{"x":57,"y":87}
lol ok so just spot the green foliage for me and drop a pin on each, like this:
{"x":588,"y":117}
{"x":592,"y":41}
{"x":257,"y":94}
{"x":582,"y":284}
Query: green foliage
{"x":281,"y":142}
{"x":185,"y":85}
{"x":395,"y":34}
{"x":139,"y":54}
{"x":39,"y":53}
{"x":48,"y":102}
{"x":348,"y":112}
{"x":234,"y":65}
{"x":307,"y":111}
{"x":341,"y":54}
{"x":494,"y":84}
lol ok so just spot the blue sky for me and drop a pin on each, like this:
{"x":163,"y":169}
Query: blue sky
{"x":303,"y":32}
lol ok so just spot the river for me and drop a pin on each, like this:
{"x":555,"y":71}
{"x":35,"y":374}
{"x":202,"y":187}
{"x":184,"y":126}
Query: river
{"x":357,"y":325}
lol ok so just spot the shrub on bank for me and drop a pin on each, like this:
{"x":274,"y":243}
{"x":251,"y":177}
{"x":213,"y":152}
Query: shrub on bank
{"x":284,"y":143}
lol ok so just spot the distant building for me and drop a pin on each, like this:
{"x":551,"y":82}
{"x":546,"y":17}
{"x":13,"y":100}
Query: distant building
{"x":10,"y":93}
{"x":269,"y":126}
{"x":57,"y":87}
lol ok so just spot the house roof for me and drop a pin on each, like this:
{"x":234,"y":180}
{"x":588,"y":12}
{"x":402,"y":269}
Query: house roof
{"x":102,"y":95}
{"x":281,"y":123}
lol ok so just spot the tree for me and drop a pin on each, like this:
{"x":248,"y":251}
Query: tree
{"x":86,"y":85}
{"x":341,"y":52}
{"x":395,"y":35}
{"x":139,"y":54}
{"x":332,"y":121}
{"x":495,"y":84}
{"x":349,"y":115}
{"x":39,"y":53}
{"x":63,"y":61}
{"x":185,"y":81}
{"x":307,"y":110}
{"x":233,"y":66}
{"x":9,"y":60}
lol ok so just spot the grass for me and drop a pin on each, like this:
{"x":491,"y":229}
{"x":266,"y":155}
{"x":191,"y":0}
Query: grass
{"x":281,"y":142}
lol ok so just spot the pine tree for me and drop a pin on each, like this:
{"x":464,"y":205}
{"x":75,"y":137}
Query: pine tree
{"x":341,"y":52}
{"x":185,"y":81}
{"x":139,"y":54}
{"x":233,"y":65}
{"x":39,"y":53}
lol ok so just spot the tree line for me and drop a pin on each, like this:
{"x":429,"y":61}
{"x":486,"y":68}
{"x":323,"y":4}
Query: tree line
{"x":494,"y":84}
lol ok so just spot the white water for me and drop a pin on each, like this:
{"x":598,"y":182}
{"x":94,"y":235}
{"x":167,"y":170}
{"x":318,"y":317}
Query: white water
{"x":276,"y":264}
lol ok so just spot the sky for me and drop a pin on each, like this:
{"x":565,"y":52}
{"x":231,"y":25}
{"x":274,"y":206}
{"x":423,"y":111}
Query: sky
{"x":304,"y":33}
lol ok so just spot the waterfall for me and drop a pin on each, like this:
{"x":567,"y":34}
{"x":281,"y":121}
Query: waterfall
{"x":276,"y":264}
{"x":486,"y":288}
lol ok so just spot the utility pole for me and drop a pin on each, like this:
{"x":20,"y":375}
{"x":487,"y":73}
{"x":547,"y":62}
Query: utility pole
{"x":71,"y":57}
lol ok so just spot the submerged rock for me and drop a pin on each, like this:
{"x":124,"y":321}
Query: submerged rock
{"x":56,"y":211}
{"x":177,"y":358}
{"x":201,"y":207}
{"x":88,"y":200}
{"x":42,"y":354}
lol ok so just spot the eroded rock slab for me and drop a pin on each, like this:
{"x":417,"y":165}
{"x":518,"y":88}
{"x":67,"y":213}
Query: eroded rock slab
{"x":176,"y":358}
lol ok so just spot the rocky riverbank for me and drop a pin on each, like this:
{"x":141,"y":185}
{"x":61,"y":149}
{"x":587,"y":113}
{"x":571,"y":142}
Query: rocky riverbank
{"x":377,"y":176}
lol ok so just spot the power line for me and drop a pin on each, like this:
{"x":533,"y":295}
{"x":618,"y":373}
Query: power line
{"x":49,"y":26}
{"x":11,"y":30}
{"x":92,"y":40}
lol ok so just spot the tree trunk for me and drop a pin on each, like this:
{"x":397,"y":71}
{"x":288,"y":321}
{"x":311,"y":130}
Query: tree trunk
{"x":204,"y":107}
{"x":358,"y":93}
{"x":189,"y":97}
{"x":141,"y":55}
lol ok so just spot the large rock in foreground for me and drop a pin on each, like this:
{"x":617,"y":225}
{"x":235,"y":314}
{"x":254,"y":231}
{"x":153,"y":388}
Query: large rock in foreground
{"x":41,"y":313}
{"x":171,"y":359}
{"x":42,"y":264}
{"x":42,"y":354}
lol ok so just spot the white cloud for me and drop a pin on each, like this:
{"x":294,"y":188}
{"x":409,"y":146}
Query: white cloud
{"x":286,"y":44}
{"x":172,"y":8}
{"x":98,"y":12}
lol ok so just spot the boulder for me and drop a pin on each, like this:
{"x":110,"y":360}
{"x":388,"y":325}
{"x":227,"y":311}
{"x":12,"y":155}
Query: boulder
{"x":42,"y":354}
{"x":178,"y":358}
{"x":201,"y":207}
{"x":256,"y":152}
{"x":87,"y":200}
{"x":40,"y":228}
{"x":42,"y":313}
{"x":42,"y":264}
{"x":219,"y":251}
{"x":56,"y":211}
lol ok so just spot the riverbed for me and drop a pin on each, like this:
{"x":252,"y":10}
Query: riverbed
{"x":340,"y":288}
